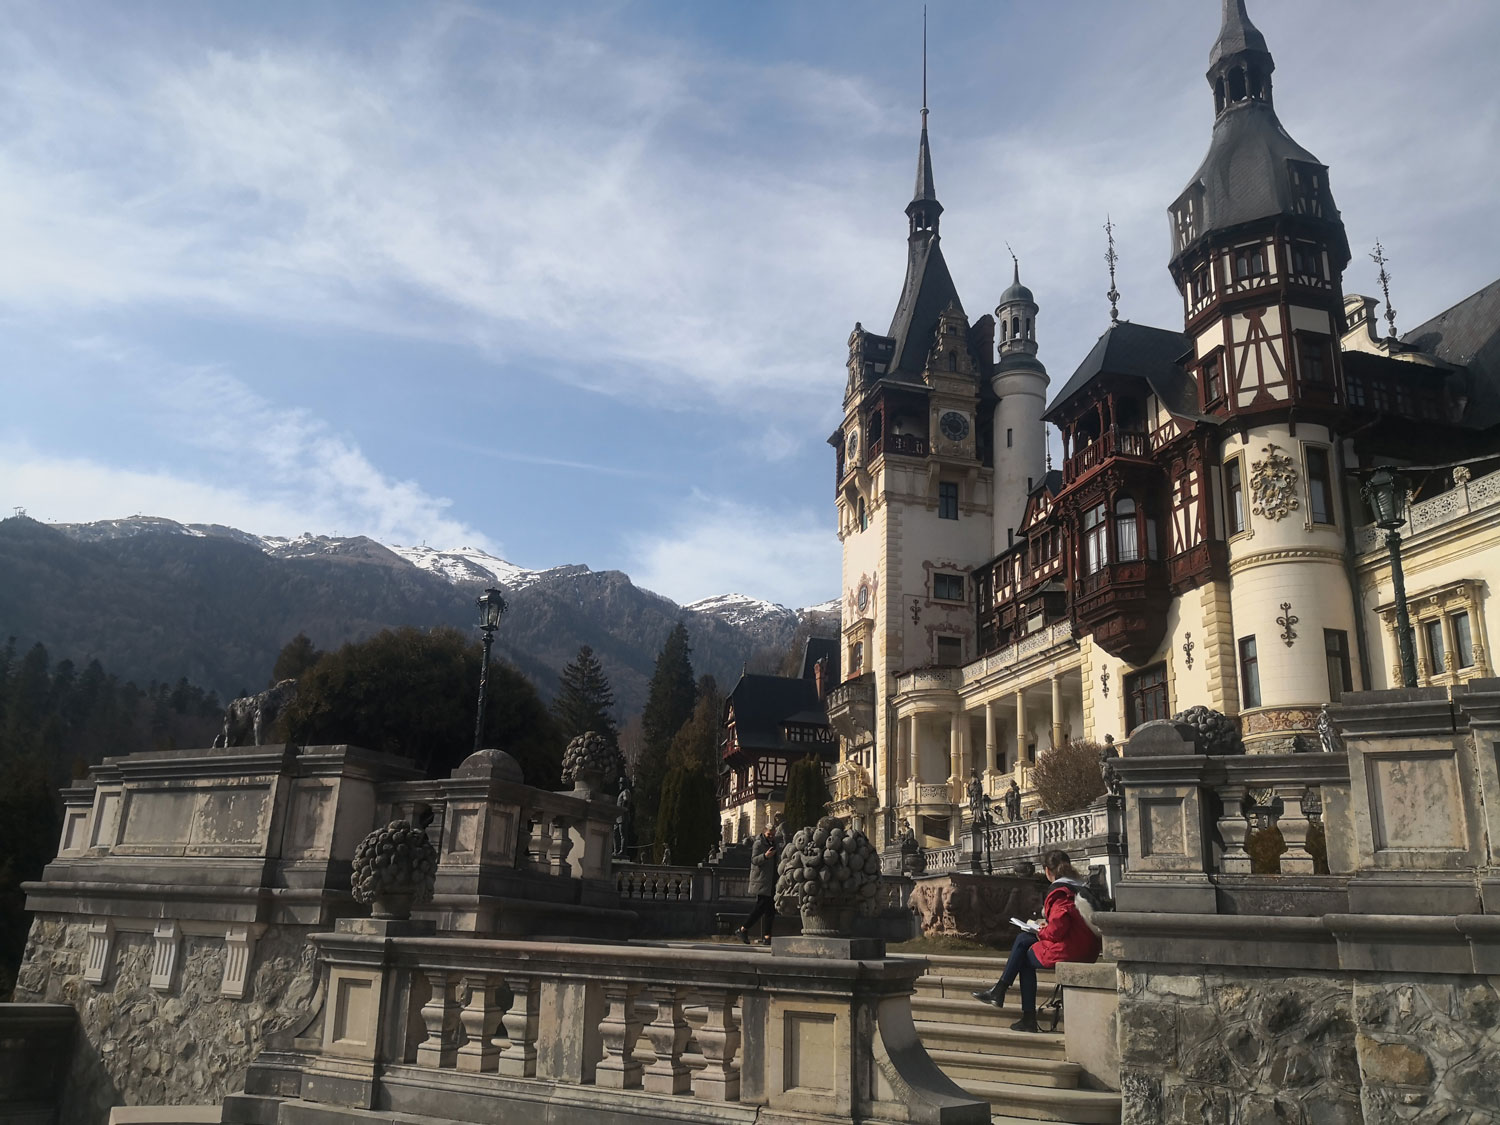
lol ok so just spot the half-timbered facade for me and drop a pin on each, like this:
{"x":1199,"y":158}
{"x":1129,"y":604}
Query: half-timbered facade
{"x":1202,"y":540}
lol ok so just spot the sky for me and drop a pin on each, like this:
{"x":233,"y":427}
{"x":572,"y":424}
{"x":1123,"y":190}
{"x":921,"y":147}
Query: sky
{"x":573,"y":282}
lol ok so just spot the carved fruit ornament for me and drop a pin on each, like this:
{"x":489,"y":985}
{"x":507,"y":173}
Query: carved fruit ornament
{"x":395,"y":868}
{"x":828,"y":872}
{"x":590,"y":755}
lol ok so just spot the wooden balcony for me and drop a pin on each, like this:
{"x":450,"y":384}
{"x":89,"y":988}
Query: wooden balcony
{"x":1123,"y":606}
{"x":1113,"y":443}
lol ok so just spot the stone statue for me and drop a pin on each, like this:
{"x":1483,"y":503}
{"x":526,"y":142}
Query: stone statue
{"x":913,"y":861}
{"x":1107,"y":754}
{"x":624,"y":828}
{"x":1013,"y":802}
{"x":1329,"y":738}
{"x":249,"y":719}
{"x":976,"y":794}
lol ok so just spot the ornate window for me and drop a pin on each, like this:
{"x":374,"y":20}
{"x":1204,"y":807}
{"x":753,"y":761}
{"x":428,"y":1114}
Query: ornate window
{"x":1249,"y":673}
{"x":857,"y":658}
{"x":1213,"y":379}
{"x":948,"y":587}
{"x":1095,"y":540}
{"x":1145,"y":696}
{"x":1127,"y":534}
{"x":1234,"y":495}
{"x":1449,"y":626}
{"x":1249,"y":261}
{"x":1319,"y":484}
{"x":1309,"y":188}
{"x":1314,"y":359}
{"x":1463,"y":641}
{"x":862,"y":514}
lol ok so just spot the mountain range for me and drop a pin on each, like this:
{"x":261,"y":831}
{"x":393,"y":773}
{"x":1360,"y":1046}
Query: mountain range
{"x":154,"y":599}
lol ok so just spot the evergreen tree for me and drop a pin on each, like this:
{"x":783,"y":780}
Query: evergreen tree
{"x":669,"y":704}
{"x":295,"y":658}
{"x":413,"y":693}
{"x":688,"y":817}
{"x":696,"y":745}
{"x":585,"y":701}
{"x":807,"y":796}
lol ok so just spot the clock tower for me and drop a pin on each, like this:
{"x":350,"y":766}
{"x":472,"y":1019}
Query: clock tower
{"x":914,"y":488}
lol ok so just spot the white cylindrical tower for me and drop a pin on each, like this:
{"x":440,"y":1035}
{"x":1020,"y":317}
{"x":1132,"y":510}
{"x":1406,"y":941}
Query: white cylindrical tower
{"x":1020,"y":383}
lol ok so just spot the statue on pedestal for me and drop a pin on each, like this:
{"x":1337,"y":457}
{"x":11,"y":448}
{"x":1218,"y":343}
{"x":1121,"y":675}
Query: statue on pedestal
{"x":624,"y":828}
{"x":1013,"y":802}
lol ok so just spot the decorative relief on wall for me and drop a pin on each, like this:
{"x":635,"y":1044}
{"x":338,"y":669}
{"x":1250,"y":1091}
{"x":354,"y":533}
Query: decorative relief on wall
{"x":1286,"y":621}
{"x":1187,"y":649}
{"x":1273,"y":484}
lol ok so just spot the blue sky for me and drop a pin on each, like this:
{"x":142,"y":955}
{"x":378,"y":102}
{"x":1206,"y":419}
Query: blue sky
{"x":572,"y":282}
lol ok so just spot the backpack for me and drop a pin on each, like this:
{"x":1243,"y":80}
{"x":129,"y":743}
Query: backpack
{"x":1089,"y":900}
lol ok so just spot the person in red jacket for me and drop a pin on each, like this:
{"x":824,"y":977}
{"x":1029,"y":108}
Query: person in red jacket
{"x":1064,"y":936}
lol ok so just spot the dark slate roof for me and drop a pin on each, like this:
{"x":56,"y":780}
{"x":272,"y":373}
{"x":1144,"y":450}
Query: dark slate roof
{"x":817,"y":649}
{"x":1468,"y":335}
{"x":1236,"y":34}
{"x":1145,"y":353}
{"x":1245,"y":176}
{"x":763,"y":704}
{"x":924,"y":190}
{"x":1017,"y":291}
{"x":928,"y":290}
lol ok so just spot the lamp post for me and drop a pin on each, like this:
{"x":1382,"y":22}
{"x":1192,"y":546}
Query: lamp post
{"x":1385,"y":492}
{"x":491,"y":609}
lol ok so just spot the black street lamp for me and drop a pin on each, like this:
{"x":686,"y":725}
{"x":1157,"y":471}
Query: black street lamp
{"x":491,"y":609}
{"x":1385,"y":492}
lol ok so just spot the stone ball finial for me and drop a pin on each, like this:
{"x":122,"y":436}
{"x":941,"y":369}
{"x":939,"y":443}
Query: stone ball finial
{"x":495,"y":764}
{"x":395,"y":868}
{"x":829,"y":871}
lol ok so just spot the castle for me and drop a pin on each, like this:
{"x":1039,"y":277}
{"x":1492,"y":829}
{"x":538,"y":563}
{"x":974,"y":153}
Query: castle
{"x":1204,"y":538}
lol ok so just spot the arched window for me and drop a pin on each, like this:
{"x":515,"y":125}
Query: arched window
{"x":861,"y":514}
{"x":1127,"y":534}
{"x":1095,"y":540}
{"x":1219,"y":96}
{"x":1015,"y":326}
{"x":952,"y":361}
{"x":1236,"y":85}
{"x":1028,"y":327}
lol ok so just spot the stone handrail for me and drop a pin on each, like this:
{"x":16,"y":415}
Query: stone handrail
{"x":1464,"y":498}
{"x":656,"y":884}
{"x":1028,"y":839}
{"x":560,"y":1027}
{"x":1040,"y":641}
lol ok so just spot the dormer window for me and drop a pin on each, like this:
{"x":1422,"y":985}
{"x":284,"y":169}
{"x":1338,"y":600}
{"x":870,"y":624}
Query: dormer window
{"x":1309,"y":188}
{"x":1185,"y":217}
{"x":1249,"y":261}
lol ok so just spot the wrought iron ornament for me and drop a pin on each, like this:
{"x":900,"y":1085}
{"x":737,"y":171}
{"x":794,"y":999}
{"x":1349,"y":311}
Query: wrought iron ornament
{"x":1379,"y":258}
{"x":1286,"y":621}
{"x":1111,"y":257}
{"x":1104,"y":682}
{"x":1187,"y":649}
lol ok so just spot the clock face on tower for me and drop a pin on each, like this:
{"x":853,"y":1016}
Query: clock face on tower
{"x":954,"y":425}
{"x":852,"y":448}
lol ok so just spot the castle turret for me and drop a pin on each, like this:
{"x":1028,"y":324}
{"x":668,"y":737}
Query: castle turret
{"x":1020,"y":385}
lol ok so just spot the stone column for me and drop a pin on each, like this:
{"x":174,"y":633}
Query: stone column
{"x":955,"y":746}
{"x":989,"y":737}
{"x":1057,"y":712}
{"x":1020,"y":728}
{"x":903,"y":752}
{"x":914,"y":772}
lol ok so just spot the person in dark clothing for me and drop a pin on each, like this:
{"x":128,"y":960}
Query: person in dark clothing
{"x":764,"y":855}
{"x":1063,"y":936}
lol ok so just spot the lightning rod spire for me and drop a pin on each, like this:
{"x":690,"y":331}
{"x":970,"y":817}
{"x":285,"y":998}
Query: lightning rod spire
{"x":1111,"y":257}
{"x":1379,"y":258}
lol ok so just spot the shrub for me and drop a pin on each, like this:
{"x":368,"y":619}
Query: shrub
{"x":1068,"y":777}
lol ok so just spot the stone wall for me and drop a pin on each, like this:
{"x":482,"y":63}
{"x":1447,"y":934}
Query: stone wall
{"x":1264,"y":1047}
{"x":186,"y":1046}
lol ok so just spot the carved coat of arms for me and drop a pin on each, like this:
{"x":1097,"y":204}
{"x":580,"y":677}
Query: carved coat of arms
{"x":1273,"y":485}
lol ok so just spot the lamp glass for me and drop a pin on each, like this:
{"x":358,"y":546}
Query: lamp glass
{"x":491,"y":607}
{"x":1386,"y":493}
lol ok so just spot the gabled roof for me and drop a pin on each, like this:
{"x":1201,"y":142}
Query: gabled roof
{"x":926,"y":293}
{"x":1145,"y":353}
{"x":820,"y":648}
{"x":1468,"y":335}
{"x":762,"y":705}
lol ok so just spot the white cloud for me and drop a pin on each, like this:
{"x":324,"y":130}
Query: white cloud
{"x":719,"y":546}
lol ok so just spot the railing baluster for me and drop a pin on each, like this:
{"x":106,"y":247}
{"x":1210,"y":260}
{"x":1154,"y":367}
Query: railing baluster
{"x":481,"y":1021}
{"x":518,"y":1056}
{"x":1293,"y":822}
{"x":1234,"y":826}
{"x":667,"y":1074}
{"x":440,"y":1017}
{"x":620,"y":1029}
{"x":719,"y":1041}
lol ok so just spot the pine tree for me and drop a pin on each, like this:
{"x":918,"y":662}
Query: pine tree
{"x":688,"y":820}
{"x":295,"y":658}
{"x":696,"y":745}
{"x":807,"y":795}
{"x":669,"y":704}
{"x":584,"y":700}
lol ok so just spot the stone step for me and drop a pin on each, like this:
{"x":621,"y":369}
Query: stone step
{"x":1043,"y":1103}
{"x":989,"y":1040}
{"x":962,"y":1066}
{"x":947,"y":984}
{"x":974,"y":1013}
{"x":958,"y":965}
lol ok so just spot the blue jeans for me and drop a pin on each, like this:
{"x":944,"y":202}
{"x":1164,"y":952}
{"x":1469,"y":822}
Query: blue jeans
{"x":1022,"y":964}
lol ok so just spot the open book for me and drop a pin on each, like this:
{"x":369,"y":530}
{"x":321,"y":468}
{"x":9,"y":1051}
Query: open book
{"x":1032,"y":927}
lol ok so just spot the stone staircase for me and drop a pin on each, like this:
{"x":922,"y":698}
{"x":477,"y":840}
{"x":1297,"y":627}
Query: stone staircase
{"x":1025,"y":1077}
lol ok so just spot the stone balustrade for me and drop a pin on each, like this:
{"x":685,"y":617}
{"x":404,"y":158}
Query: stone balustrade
{"x":1460,"y":501}
{"x":457,"y":1029}
{"x":929,"y":679}
{"x":1043,"y":640}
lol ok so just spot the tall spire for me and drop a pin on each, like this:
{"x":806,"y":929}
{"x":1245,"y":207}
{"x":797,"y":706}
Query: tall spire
{"x":1236,"y":34}
{"x":1240,"y":63}
{"x":1111,"y":258}
{"x":924,"y":208}
{"x":1379,"y":258}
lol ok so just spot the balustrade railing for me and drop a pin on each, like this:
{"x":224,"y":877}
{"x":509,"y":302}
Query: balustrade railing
{"x":1465,"y":497}
{"x":656,"y":884}
{"x":1041,"y":641}
{"x":909,"y":445}
{"x":929,"y":679}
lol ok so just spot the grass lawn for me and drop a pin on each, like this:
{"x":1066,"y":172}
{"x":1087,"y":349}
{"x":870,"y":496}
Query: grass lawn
{"x":948,"y":943}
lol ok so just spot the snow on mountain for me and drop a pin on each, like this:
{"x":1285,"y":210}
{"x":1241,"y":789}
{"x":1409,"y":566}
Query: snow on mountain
{"x":457,"y":565}
{"x":740,"y":609}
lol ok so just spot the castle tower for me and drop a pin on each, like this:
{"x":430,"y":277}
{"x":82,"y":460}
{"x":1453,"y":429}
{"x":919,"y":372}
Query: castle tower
{"x":914,"y":505}
{"x":1258,"y":254}
{"x":1020,"y":385}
